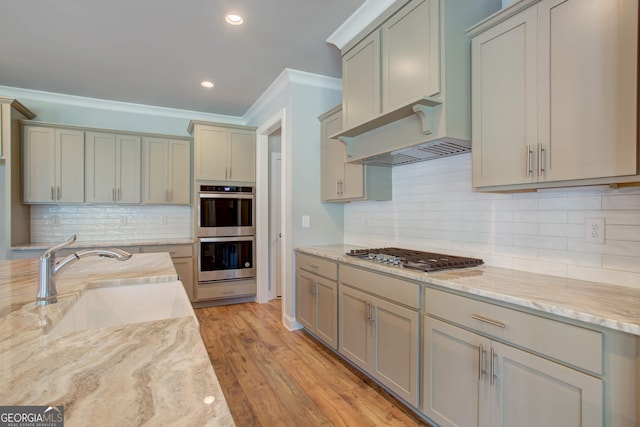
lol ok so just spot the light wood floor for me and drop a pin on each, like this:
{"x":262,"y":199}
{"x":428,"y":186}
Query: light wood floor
{"x":273,"y":377}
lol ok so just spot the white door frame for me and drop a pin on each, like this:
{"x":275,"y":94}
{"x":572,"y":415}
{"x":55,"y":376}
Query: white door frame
{"x":275,"y":248}
{"x":262,"y":205}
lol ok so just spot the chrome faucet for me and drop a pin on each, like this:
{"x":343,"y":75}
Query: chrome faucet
{"x":49,"y":269}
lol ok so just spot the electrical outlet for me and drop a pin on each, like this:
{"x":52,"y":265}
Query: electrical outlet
{"x":594,"y":230}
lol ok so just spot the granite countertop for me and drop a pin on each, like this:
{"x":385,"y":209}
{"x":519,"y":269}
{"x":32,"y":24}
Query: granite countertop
{"x":152,"y":373}
{"x":614,"y":307}
{"x":104,"y":244}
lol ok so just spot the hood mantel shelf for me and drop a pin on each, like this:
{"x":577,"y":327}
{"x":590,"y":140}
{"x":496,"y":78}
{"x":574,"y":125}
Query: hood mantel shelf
{"x":418,"y":106}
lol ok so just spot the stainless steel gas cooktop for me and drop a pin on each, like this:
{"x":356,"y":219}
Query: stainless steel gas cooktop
{"x":417,"y":260}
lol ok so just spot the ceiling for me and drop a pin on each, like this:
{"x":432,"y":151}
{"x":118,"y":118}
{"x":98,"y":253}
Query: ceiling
{"x":156,"y":52}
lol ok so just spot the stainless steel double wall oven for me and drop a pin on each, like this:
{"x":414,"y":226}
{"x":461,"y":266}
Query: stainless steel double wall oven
{"x":226,"y":233}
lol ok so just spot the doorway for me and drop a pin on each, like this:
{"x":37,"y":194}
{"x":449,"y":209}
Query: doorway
{"x":275,"y":229}
{"x":266,"y":255}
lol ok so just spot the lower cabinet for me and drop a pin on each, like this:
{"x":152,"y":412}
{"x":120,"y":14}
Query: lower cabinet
{"x":317,"y":302}
{"x":467,"y":361}
{"x":382,"y":338}
{"x":182,"y":257}
{"x":317,"y":298}
{"x":470,"y":380}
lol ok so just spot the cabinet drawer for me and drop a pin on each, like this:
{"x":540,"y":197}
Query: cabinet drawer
{"x":315,"y":265}
{"x":397,"y":290}
{"x":176,"y":251}
{"x":225,"y":290}
{"x":574,"y":345}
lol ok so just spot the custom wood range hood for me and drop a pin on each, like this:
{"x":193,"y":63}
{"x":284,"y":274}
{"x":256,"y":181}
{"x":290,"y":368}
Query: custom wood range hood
{"x":406,"y":84}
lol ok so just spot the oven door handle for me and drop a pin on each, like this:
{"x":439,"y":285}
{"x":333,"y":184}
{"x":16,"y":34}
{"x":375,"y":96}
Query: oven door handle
{"x":225,"y":196}
{"x":226,"y":239}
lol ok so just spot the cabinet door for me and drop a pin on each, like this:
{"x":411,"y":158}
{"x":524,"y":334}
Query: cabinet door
{"x":242,"y":165}
{"x":70,"y":165}
{"x":410,"y":54}
{"x":361,"y":81}
{"x":100,"y":167}
{"x":504,"y":102}
{"x":530,"y":391}
{"x":333,"y":157}
{"x":306,"y":299}
{"x":211,"y":155}
{"x":455,"y":390}
{"x":155,"y":170}
{"x":396,"y":350}
{"x":355,"y":333}
{"x":327,"y":311}
{"x":340,"y":180}
{"x":184,"y":268}
{"x":179,"y":174}
{"x":588,"y":88}
{"x":128,"y":164}
{"x":39,"y":165}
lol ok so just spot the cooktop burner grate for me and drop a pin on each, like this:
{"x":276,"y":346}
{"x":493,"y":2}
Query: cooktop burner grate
{"x":418,"y":260}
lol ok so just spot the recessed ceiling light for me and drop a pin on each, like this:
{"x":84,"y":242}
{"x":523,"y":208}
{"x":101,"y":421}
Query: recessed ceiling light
{"x":234,"y":19}
{"x":207,"y":84}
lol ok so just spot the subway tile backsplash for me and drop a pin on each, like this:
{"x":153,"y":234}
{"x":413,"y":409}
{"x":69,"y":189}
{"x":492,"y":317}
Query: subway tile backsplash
{"x":433,"y":208}
{"x":54,"y":224}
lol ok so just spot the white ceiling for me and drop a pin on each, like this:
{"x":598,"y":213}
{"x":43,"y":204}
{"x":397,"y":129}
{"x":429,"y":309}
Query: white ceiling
{"x":156,"y":52}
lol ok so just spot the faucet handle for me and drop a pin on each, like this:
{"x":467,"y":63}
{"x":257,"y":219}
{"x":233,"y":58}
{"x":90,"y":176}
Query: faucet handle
{"x":51,"y":252}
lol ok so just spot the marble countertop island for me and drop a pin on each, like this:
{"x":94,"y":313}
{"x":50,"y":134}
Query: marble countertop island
{"x":614,"y":307}
{"x":151,"y":373}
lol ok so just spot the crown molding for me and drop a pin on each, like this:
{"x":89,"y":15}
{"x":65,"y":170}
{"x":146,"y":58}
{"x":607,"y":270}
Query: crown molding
{"x":104,"y":104}
{"x":358,"y":21}
{"x":287,"y":77}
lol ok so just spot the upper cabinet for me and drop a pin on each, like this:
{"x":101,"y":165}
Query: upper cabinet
{"x":361,"y":81}
{"x":69,"y":164}
{"x":53,"y":165}
{"x":394,"y":65}
{"x":406,"y":83}
{"x":112,"y":168}
{"x":224,"y":152}
{"x":342,"y":181}
{"x":410,"y":59}
{"x":554,"y":98}
{"x":166,"y":171}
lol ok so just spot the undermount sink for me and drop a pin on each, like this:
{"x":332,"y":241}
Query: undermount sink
{"x":120,"y":305}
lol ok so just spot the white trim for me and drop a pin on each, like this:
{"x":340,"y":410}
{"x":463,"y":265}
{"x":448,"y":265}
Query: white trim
{"x":317,"y":80}
{"x":363,"y":16}
{"x":273,"y":225}
{"x":81,"y":101}
{"x":290,"y":323}
{"x":262,"y":204}
{"x":280,"y":84}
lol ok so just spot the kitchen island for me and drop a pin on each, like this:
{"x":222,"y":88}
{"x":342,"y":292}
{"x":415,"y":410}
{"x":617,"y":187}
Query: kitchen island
{"x":152,"y":373}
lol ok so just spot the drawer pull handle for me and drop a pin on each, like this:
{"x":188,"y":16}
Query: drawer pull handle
{"x":489,"y":321}
{"x":315,"y":267}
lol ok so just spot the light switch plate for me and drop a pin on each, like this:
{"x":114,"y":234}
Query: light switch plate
{"x":306,"y":221}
